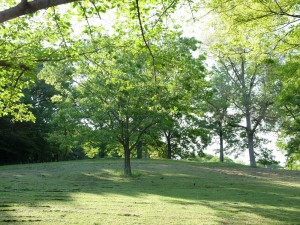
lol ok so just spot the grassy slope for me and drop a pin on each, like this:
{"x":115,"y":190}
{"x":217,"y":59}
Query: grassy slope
{"x":161,"y":192}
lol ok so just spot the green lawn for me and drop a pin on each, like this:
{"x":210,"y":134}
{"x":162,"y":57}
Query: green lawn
{"x":161,"y":192}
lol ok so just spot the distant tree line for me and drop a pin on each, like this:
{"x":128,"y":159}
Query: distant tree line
{"x":144,"y":90}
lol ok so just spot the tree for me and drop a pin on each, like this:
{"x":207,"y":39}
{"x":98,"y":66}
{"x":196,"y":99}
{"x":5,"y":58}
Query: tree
{"x":65,"y":122}
{"x":121,"y":94}
{"x":219,"y":105}
{"x":251,"y":96}
{"x":111,"y":103}
{"x":122,"y":100}
{"x":243,"y":52}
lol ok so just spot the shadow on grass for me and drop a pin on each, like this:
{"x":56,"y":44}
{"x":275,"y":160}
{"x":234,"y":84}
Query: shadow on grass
{"x":229,"y":190}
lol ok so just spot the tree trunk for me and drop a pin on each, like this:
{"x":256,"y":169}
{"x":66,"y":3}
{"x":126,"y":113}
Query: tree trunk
{"x":139,"y":150}
{"x":250,"y":136}
{"x":146,"y":155}
{"x":169,"y":154}
{"x":249,"y":131}
{"x":127,"y":166}
{"x":221,"y":142}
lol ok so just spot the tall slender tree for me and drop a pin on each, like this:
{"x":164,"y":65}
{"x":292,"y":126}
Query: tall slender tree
{"x":251,"y":97}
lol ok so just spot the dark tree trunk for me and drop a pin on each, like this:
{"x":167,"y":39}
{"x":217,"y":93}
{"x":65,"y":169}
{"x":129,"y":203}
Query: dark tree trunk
{"x":221,"y":142}
{"x":139,"y":150}
{"x":169,"y":154}
{"x":127,"y":166}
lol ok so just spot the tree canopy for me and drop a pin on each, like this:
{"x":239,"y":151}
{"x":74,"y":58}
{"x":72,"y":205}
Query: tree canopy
{"x":135,"y":81}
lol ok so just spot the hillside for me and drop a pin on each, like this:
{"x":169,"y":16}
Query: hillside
{"x":160,"y":192}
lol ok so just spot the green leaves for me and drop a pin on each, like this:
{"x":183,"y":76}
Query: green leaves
{"x":262,"y":27}
{"x":288,"y":106}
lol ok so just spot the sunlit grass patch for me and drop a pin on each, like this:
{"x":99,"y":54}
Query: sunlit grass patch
{"x":159,"y":192}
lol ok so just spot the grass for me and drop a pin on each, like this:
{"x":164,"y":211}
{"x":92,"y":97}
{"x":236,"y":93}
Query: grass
{"x":160,"y":192}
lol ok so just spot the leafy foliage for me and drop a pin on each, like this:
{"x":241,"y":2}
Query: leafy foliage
{"x":27,"y":141}
{"x":288,"y":103}
{"x":277,"y":22}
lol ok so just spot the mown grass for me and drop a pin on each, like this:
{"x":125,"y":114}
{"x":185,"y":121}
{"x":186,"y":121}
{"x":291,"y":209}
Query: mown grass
{"x":160,"y":192}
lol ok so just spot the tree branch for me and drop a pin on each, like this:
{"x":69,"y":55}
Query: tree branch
{"x":236,"y":125}
{"x":7,"y":64}
{"x":191,"y":10}
{"x":87,"y":19}
{"x":284,"y":13}
{"x":95,"y":7}
{"x":142,"y":133}
{"x":252,"y":81}
{"x":165,"y":11}
{"x":25,"y":7}
{"x":18,"y":78}
{"x":291,"y":113}
{"x":144,"y":37}
{"x":262,"y":115}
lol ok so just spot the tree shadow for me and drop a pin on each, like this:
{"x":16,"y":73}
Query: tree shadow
{"x":229,"y":191}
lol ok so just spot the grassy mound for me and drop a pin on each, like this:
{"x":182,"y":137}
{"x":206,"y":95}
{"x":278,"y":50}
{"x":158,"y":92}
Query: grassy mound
{"x":160,"y":192}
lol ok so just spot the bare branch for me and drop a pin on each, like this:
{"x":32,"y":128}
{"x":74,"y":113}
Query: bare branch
{"x":144,"y":37}
{"x":253,"y":78}
{"x":267,"y":11}
{"x":165,"y":11}
{"x":191,"y":10}
{"x":142,"y":132}
{"x":262,"y":115}
{"x":86,"y":19}
{"x":229,"y":73}
{"x":236,"y":125}
{"x":95,"y":7}
{"x":236,"y":71}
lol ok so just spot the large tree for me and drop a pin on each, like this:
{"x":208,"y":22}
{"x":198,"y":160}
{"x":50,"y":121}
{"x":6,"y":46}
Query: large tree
{"x":243,"y":49}
{"x":251,"y":98}
{"x":120,"y":92}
